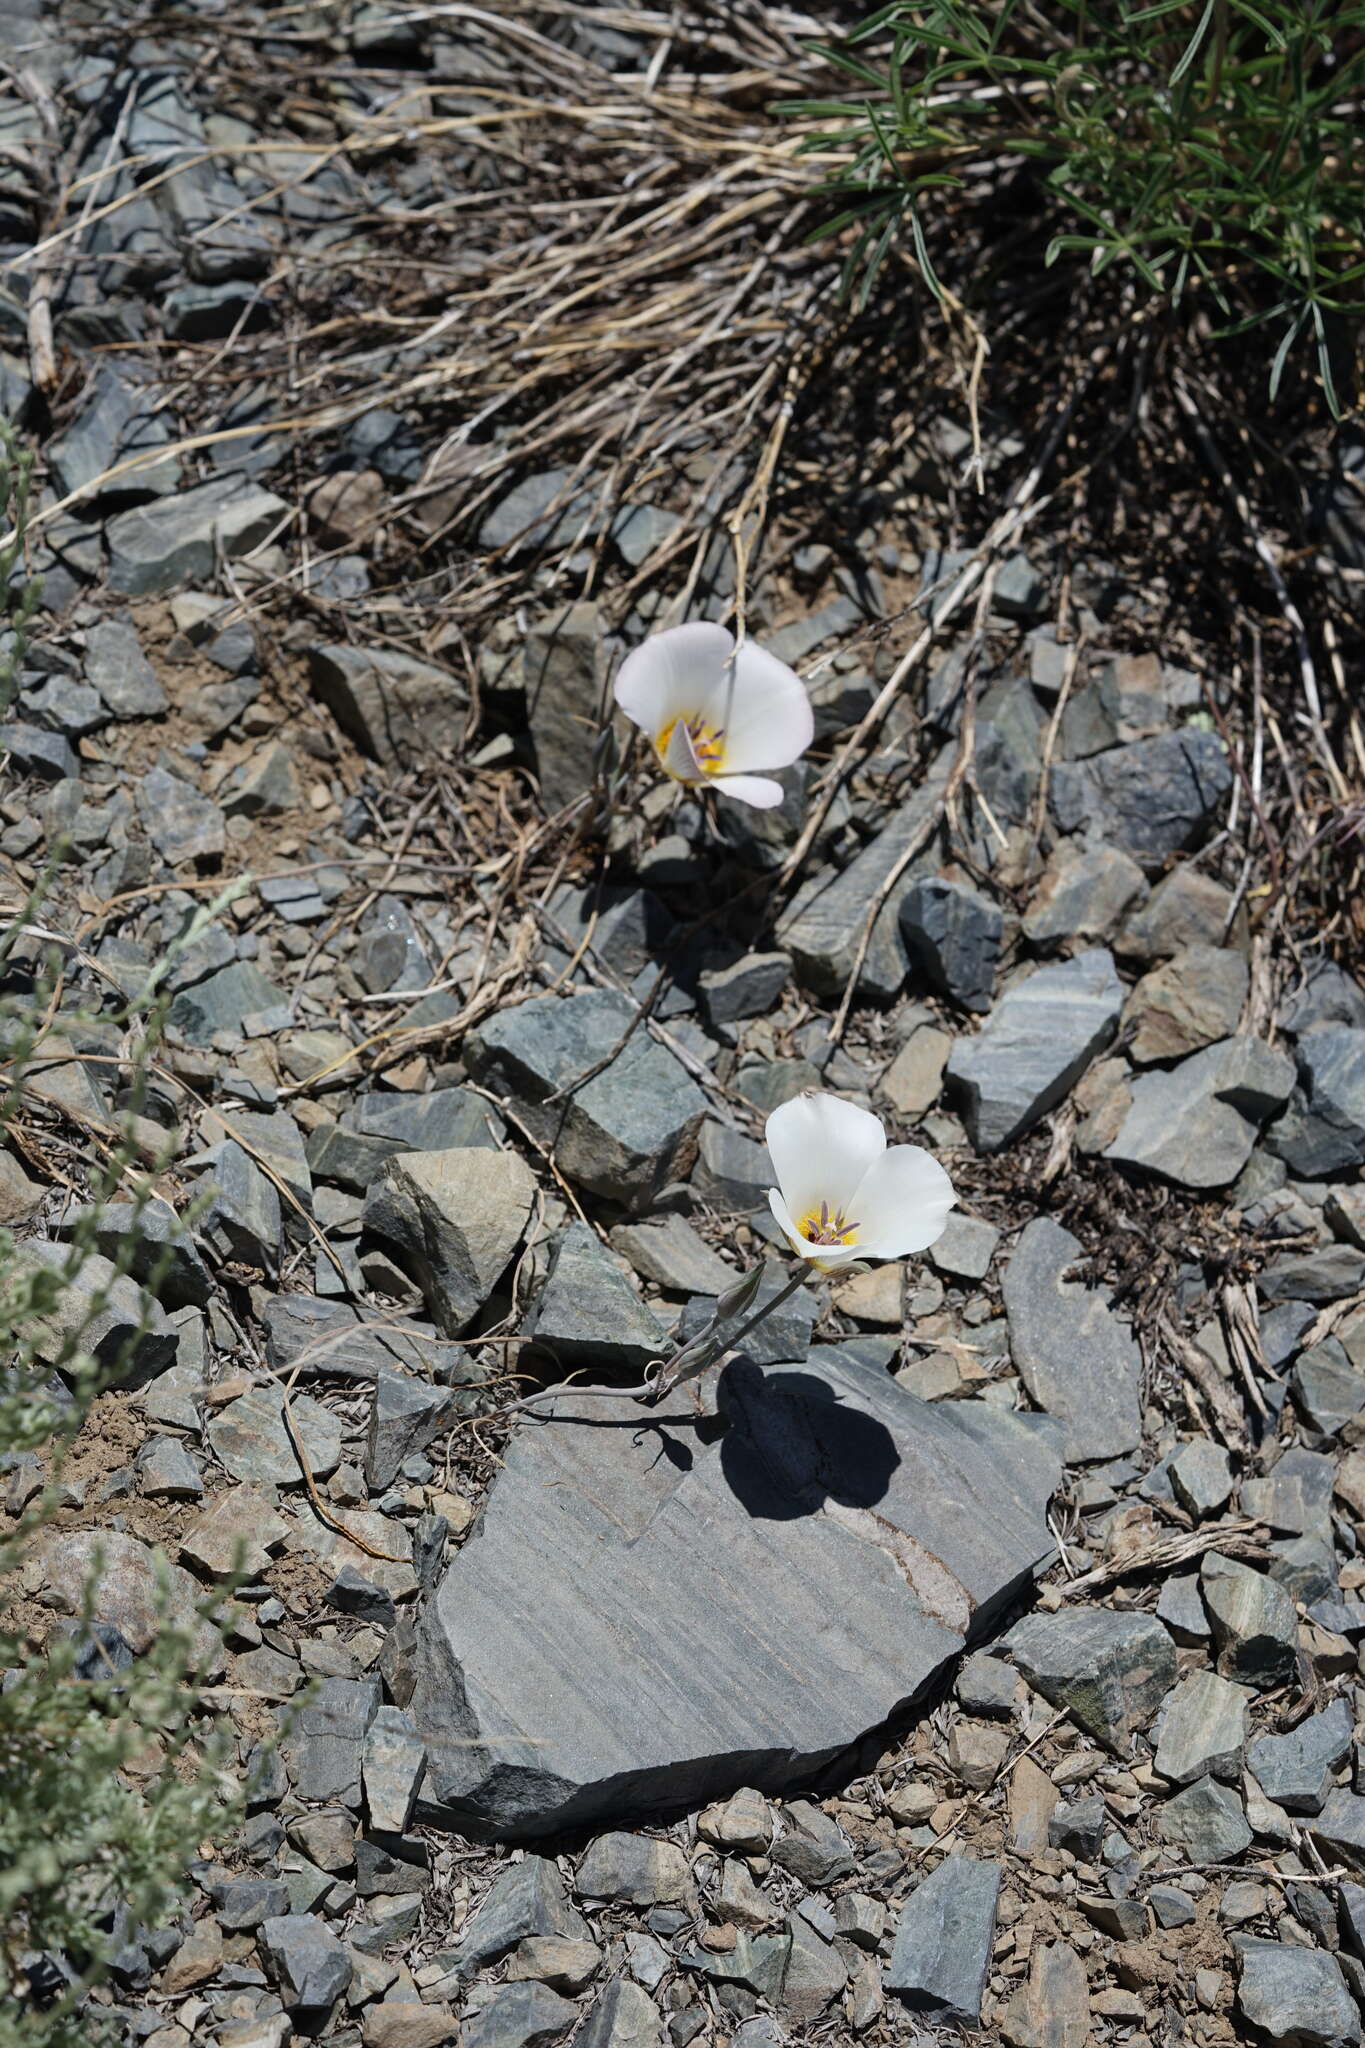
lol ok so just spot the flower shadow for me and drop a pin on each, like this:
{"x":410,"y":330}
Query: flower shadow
{"x":791,"y":1444}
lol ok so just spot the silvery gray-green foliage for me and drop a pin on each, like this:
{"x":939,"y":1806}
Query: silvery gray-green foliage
{"x":108,"y":1787}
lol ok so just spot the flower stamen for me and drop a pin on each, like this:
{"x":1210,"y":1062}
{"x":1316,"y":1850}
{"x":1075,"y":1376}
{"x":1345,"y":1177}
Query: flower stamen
{"x":829,"y":1227}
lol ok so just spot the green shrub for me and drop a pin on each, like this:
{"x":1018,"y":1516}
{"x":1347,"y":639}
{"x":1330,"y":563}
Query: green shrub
{"x":1214,"y":148}
{"x":105,"y":1791}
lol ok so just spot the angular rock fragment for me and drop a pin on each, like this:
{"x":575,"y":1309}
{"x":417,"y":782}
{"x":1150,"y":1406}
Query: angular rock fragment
{"x":86,"y":1306}
{"x":943,"y":1941}
{"x":623,"y":1133}
{"x":561,"y":667}
{"x":310,"y":1962}
{"x":406,"y":1415}
{"x":954,"y":935}
{"x":1083,"y":897}
{"x":181,"y":538}
{"x":456,"y":1217}
{"x":253,"y":1440}
{"x":1201,"y":1729}
{"x":643,"y":1870}
{"x":1037,"y":1042}
{"x":588,"y":1314}
{"x":1295,"y":1996}
{"x":1196,"y":1124}
{"x":673,"y":1256}
{"x":117,"y":668}
{"x":1295,"y":1770}
{"x":688,"y":1572}
{"x":1323,"y":1130}
{"x":324,"y":1741}
{"x":181,"y":824}
{"x":1109,"y":1671}
{"x":623,"y":2016}
{"x":398,"y":709}
{"x":823,"y":928}
{"x":525,"y":1899}
{"x":1152,"y":798}
{"x":1192,"y":1000}
{"x":1206,"y":1820}
{"x":1078,"y":1360}
{"x":1254,"y":1625}
{"x":1052,"y":2010}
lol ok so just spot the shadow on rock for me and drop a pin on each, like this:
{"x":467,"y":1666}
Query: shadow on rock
{"x":792,"y":1444}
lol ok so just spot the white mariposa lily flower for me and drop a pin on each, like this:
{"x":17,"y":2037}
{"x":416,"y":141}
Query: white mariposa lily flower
{"x":843,"y":1193}
{"x":717,"y":715}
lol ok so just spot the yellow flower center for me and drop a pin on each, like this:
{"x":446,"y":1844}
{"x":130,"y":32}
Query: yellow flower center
{"x":827,"y":1227}
{"x":708,"y":743}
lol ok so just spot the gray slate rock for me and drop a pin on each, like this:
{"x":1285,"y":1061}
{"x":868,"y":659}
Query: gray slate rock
{"x":1201,"y":1729}
{"x":181,"y":824}
{"x":1109,"y":1671}
{"x":673,"y":1256}
{"x":814,"y":1848}
{"x":561,"y":666}
{"x":617,"y":1564}
{"x":623,"y":2016}
{"x":332,"y":1338}
{"x":399,"y":710}
{"x":1340,"y":1827}
{"x":525,"y":1899}
{"x":1254,"y":1625}
{"x":151,"y":1241}
{"x":749,"y":988}
{"x":251,"y":1439}
{"x":180,"y":538}
{"x":406,"y":1415}
{"x":1152,"y":798}
{"x":1294,"y":1997}
{"x":127,"y":1333}
{"x":518,"y":2016}
{"x":588,"y":1313}
{"x":943,"y":1941}
{"x":1037,"y":1042}
{"x":324,"y":1740}
{"x":36,"y":751}
{"x":309,"y":1961}
{"x":1196,"y":1125}
{"x":1328,"y":1389}
{"x":823,"y":928}
{"x":1083,"y":897}
{"x":455,"y":1218}
{"x":119,"y":419}
{"x":1323,"y":1131}
{"x":954,"y":935}
{"x":1295,"y":1770}
{"x":243,"y":1221}
{"x":1078,"y":1359}
{"x":625,"y":1133}
{"x":642,"y":1870}
{"x":117,"y":668}
{"x":1201,"y":1476}
{"x":1206,"y":1821}
{"x":225,"y":1001}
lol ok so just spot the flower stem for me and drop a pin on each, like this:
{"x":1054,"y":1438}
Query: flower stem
{"x":661,"y":1384}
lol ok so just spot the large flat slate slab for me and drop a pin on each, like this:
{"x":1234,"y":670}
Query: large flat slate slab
{"x":658,"y":1608}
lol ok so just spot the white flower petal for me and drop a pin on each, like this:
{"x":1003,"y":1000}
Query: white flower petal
{"x":758,"y":790}
{"x":672,"y":674}
{"x":822,"y":1150}
{"x":680,"y":756}
{"x":767,"y":717}
{"x":784,"y":1218}
{"x":902,"y":1204}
